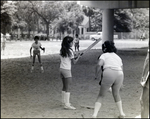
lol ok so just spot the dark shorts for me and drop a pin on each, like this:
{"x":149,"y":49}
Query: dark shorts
{"x":64,"y":73}
{"x":76,"y":44}
{"x":36,"y":52}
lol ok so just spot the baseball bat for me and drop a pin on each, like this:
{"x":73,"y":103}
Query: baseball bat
{"x":92,"y":45}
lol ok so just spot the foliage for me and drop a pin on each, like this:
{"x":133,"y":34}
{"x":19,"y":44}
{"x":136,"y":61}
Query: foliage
{"x":65,"y":16}
{"x":122,"y":22}
{"x":7,"y":11}
{"x":96,"y":21}
{"x":71,"y":17}
{"x":89,"y":12}
{"x":48,"y":11}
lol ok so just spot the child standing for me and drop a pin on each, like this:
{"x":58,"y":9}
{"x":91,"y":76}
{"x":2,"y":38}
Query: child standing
{"x":66,"y":56}
{"x":36,"y":51}
{"x":110,"y":72}
{"x":3,"y":43}
{"x":76,"y":43}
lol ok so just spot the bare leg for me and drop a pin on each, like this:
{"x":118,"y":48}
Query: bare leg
{"x":34,"y":56}
{"x":39,"y":58}
{"x":102,"y":92}
{"x":32,"y":68}
{"x":115,"y":91}
{"x":66,"y":83}
{"x":145,"y":103}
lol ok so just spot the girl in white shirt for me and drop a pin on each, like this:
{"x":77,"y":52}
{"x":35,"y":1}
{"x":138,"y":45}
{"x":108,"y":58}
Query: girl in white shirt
{"x":110,"y":72}
{"x":66,"y":55}
{"x":36,"y":51}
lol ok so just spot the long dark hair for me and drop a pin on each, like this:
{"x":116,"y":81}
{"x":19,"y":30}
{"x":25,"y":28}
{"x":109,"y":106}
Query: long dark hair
{"x":108,"y":46}
{"x":65,"y":46}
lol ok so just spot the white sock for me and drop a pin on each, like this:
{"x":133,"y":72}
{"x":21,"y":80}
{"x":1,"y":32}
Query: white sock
{"x":119,"y":105}
{"x":42,"y":68}
{"x":96,"y":108}
{"x":67,"y":101}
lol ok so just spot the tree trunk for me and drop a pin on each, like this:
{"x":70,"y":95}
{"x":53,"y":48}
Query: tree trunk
{"x":47,"y":29}
{"x":89,"y":23}
{"x":19,"y":33}
{"x":28,"y":33}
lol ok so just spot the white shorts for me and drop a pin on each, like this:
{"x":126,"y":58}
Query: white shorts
{"x":64,"y":73}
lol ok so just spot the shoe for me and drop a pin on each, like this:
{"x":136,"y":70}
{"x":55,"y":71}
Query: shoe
{"x":42,"y":70}
{"x":110,"y":89}
{"x":93,"y":116}
{"x":32,"y":68}
{"x":121,"y":116}
{"x":67,"y":101}
{"x":68,"y":106}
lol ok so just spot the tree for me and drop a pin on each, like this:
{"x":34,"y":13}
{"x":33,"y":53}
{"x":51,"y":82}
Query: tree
{"x":71,"y":17}
{"x":96,"y":20}
{"x":122,"y":21}
{"x":140,"y":18}
{"x":48,"y":11}
{"x":88,"y":12}
{"x":7,"y":11}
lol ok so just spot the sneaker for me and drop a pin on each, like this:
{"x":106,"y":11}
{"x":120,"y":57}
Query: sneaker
{"x":121,"y":116}
{"x":93,"y":116}
{"x":110,"y":89}
{"x":32,"y":68}
{"x":68,"y":106}
{"x":42,"y":70}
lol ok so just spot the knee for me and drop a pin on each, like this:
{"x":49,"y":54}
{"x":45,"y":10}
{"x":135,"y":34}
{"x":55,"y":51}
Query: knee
{"x":141,"y":101}
{"x":116,"y":97}
{"x":100,"y":97}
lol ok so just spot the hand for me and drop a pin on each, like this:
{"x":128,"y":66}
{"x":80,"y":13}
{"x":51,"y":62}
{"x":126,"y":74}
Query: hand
{"x":79,"y":54}
{"x":43,"y":49}
{"x":30,"y":56}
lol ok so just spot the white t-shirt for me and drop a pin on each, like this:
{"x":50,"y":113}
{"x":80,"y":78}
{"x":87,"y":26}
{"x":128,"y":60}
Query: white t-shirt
{"x":36,"y":46}
{"x":76,"y":40}
{"x":66,"y":61}
{"x":111,"y":60}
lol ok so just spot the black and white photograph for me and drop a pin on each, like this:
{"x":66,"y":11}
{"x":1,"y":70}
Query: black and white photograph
{"x":74,"y":59}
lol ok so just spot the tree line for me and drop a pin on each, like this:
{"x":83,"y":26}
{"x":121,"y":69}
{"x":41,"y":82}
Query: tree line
{"x":60,"y":17}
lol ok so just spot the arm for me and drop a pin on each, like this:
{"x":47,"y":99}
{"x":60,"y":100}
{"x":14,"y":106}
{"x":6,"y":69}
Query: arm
{"x":76,"y":59}
{"x":42,"y":49}
{"x":30,"y":52}
{"x":99,"y":69}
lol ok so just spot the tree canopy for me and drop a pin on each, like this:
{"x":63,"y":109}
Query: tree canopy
{"x":63,"y":16}
{"x":7,"y":11}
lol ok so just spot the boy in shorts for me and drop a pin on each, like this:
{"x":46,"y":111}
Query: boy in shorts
{"x":36,"y":51}
{"x":76,"y":43}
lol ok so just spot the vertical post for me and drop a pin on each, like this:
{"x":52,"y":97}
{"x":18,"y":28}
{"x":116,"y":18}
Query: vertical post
{"x":108,"y":25}
{"x":19,"y":34}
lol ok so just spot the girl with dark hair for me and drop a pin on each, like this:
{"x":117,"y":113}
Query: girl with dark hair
{"x":66,"y":55}
{"x":109,"y":70}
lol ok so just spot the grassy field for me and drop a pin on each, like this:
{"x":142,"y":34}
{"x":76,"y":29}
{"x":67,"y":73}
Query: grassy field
{"x":38,"y":95}
{"x":16,"y":49}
